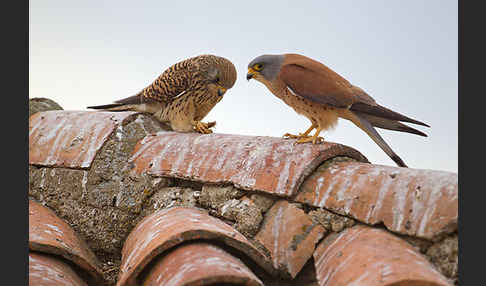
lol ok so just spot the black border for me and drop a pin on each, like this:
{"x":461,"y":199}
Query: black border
{"x":14,"y":208}
{"x":470,"y":161}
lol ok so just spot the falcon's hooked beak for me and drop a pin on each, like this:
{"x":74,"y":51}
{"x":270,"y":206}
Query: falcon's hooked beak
{"x":221,"y":91}
{"x":251,"y":73}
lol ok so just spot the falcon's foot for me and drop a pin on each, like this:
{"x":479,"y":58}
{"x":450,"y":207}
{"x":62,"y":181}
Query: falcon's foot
{"x":292,"y":136}
{"x":304,"y":137}
{"x":203,"y":127}
{"x":314,"y":139}
{"x":301,"y":135}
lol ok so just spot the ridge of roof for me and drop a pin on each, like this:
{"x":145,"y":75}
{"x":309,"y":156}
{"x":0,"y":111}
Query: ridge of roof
{"x":271,"y":205}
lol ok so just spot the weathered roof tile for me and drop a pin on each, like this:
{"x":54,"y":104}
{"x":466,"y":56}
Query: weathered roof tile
{"x":169,"y":227}
{"x":186,"y":246}
{"x":70,"y":138}
{"x":290,"y":236}
{"x":49,"y":234}
{"x":364,"y":256}
{"x":422,"y":203}
{"x":269,"y":164}
{"x":46,"y":270}
{"x":199,"y":264}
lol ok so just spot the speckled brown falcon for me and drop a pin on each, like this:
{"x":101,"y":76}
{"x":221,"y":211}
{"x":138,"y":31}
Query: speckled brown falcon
{"x":321,"y":95}
{"x":183,"y":94}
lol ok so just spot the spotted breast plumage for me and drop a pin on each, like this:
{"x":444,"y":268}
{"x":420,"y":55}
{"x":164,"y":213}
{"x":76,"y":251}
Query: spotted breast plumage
{"x":183,"y":94}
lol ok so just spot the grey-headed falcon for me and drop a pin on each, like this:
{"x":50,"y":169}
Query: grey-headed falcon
{"x":320,"y":94}
{"x":183,"y":94}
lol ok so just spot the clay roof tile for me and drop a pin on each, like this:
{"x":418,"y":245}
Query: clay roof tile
{"x":70,"y":139}
{"x":47,"y":270}
{"x":199,"y":263}
{"x":365,"y":256}
{"x":416,"y":202}
{"x":50,"y":234}
{"x":268,"y":164}
{"x":170,"y":227}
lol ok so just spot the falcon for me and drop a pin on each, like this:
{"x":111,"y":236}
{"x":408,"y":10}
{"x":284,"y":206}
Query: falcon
{"x":183,"y":94}
{"x":320,"y":94}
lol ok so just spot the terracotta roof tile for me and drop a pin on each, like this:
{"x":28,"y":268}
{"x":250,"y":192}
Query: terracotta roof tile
{"x":46,"y":270}
{"x":169,"y":227}
{"x":422,"y":203}
{"x":199,"y":264}
{"x":290,"y":236}
{"x":70,"y":138}
{"x":269,"y":164}
{"x":364,"y":256}
{"x":296,"y":194}
{"x":49,"y":234}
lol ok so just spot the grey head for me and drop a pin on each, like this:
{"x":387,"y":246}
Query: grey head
{"x":266,"y":65}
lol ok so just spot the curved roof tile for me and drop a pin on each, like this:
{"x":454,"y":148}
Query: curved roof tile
{"x":47,"y":270}
{"x":50,"y":234}
{"x":70,"y":138}
{"x":269,"y":164}
{"x":414,"y":202}
{"x":170,"y":227}
{"x":199,"y":264}
{"x":422,"y":203}
{"x":364,"y":256}
{"x":290,"y":236}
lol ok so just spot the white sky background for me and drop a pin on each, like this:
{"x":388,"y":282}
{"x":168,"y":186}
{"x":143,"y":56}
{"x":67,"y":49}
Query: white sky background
{"x":402,"y":53}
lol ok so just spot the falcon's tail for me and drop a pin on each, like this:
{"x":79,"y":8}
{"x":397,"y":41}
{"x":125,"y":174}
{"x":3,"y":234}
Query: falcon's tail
{"x":389,"y":124}
{"x":133,"y":103}
{"x":362,"y":122}
{"x":125,"y":104}
{"x":382,"y":112}
{"x":112,"y":107}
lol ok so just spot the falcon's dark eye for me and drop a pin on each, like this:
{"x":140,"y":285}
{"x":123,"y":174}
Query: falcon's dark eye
{"x":258,"y":67}
{"x":216,"y":79}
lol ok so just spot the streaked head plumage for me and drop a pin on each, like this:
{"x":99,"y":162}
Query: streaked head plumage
{"x":218,"y":70}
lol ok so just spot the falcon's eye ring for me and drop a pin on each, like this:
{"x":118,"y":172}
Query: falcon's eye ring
{"x":258,"y":67}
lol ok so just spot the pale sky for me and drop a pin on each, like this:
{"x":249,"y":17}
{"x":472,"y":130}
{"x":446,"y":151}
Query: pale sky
{"x":402,"y":53}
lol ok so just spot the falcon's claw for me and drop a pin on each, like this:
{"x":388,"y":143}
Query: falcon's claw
{"x":292,"y":136}
{"x":204,"y":128}
{"x":305,"y":137}
{"x":313,"y":139}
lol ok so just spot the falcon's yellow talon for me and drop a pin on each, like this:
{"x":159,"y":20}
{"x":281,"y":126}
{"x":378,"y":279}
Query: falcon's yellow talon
{"x":203,"y":127}
{"x":304,"y":137}
{"x":313,"y":139}
{"x":301,"y":135}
